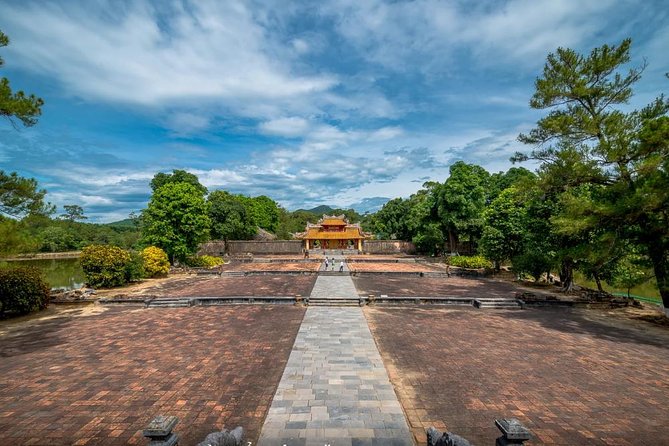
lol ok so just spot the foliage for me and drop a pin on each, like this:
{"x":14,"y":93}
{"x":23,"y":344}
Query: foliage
{"x":390,"y":222}
{"x":504,"y":232}
{"x":204,"y":261}
{"x":262,"y":211}
{"x":229,"y":217}
{"x":611,"y":165}
{"x":134,"y":270}
{"x":22,"y":290}
{"x":534,"y":262}
{"x":17,"y":105}
{"x":73,"y":212}
{"x":106,"y":265}
{"x":20,"y":196}
{"x":474,"y":262}
{"x":629,"y":272}
{"x":176,"y":220}
{"x":460,"y":202}
{"x":177,"y":176}
{"x":156,"y":263}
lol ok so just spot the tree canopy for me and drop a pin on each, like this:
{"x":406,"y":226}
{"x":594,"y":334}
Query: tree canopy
{"x":25,"y":108}
{"x":21,"y":196}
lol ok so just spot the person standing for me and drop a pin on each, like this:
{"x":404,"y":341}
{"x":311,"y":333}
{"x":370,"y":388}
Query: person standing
{"x":341,"y":266}
{"x":326,"y":264}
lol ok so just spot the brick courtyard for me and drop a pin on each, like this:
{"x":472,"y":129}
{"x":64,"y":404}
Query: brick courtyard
{"x":97,"y":380}
{"x":572,"y":377}
{"x":427,"y":286}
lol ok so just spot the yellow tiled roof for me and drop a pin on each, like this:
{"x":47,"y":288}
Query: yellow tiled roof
{"x":351,"y":233}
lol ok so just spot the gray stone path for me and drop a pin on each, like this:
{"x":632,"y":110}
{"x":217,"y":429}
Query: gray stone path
{"x":335,"y":390}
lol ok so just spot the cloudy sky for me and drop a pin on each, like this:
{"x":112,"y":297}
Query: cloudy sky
{"x":309,"y":103}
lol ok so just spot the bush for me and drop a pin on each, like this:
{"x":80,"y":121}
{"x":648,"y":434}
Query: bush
{"x":474,"y":262}
{"x":204,"y":261}
{"x":156,"y":262}
{"x":22,"y":290}
{"x":106,"y":265}
{"x":134,"y":270}
{"x":533,"y":263}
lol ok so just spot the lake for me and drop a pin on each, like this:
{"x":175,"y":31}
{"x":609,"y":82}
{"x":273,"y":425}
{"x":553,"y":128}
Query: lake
{"x":59,"y":273}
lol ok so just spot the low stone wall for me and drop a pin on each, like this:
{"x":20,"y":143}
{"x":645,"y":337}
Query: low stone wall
{"x":236,"y":247}
{"x":388,"y":247}
{"x":213,"y":248}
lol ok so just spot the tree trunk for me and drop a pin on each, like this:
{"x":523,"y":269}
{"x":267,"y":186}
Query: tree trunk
{"x":452,"y":241}
{"x":567,"y":275}
{"x":658,"y":255}
{"x":598,"y":281}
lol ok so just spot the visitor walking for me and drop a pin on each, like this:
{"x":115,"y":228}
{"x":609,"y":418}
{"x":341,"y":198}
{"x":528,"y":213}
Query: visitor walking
{"x":341,"y":266}
{"x":326,"y":264}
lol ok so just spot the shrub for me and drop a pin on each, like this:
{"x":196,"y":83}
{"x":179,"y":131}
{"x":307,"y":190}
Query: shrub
{"x":106,"y":265}
{"x":204,"y":261}
{"x":474,"y":262}
{"x":156,"y":262}
{"x":533,"y":263}
{"x":22,"y":290}
{"x":134,"y":270}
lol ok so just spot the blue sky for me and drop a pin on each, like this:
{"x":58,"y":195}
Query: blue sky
{"x":306,"y":102}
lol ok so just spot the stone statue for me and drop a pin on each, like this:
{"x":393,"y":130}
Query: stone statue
{"x":224,"y":438}
{"x":437,"y":438}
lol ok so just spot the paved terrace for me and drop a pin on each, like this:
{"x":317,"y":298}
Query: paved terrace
{"x":97,"y":380}
{"x":433,"y":287}
{"x":573,"y":377}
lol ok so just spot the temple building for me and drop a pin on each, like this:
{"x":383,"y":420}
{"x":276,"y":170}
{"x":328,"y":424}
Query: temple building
{"x":333,"y":232}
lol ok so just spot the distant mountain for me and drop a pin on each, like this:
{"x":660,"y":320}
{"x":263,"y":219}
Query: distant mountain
{"x":319,"y":210}
{"x":126,"y":223}
{"x":366,"y":205}
{"x":369,"y":205}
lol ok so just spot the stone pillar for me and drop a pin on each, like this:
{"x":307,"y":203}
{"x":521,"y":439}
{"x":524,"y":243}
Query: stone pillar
{"x":159,"y":431}
{"x":360,"y":244}
{"x":513,"y":432}
{"x":307,"y":243}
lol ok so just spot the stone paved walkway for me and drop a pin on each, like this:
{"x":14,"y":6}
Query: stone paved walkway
{"x":335,"y":390}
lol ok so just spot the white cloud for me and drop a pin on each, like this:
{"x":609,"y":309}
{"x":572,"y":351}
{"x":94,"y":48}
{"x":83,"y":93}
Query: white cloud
{"x":290,"y":127}
{"x":213,"y":50}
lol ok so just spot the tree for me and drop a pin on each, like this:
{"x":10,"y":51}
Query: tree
{"x":177,"y":176}
{"x":504,"y":231}
{"x":17,"y":105}
{"x":229,"y":217}
{"x":461,"y":201}
{"x":176,"y":220}
{"x":263,"y":211}
{"x":625,"y":153}
{"x":73,"y":212}
{"x":20,"y":196}
{"x":390,"y":221}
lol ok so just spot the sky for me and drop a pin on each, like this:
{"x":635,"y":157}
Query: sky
{"x":306,"y":102}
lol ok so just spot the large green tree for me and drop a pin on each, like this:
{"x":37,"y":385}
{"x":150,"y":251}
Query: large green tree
{"x":176,"y":220}
{"x":177,"y":176}
{"x":229,"y":217}
{"x":25,"y":108}
{"x":626,"y":153}
{"x":504,"y":230}
{"x":461,"y":201}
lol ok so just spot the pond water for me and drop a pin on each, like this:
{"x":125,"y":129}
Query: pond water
{"x":59,"y":273}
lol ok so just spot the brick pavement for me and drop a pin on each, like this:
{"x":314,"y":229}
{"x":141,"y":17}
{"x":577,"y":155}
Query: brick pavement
{"x":335,"y":389}
{"x":427,"y":286}
{"x":572,"y":376}
{"x":98,"y":380}
{"x":393,"y":267}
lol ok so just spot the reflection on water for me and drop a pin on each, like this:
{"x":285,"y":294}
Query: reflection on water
{"x":59,"y":273}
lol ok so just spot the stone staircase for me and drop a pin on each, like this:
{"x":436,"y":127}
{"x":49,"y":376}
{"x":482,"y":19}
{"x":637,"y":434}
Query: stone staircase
{"x":334,"y":302}
{"x":496,"y":302}
{"x":171,"y":302}
{"x":233,"y":274}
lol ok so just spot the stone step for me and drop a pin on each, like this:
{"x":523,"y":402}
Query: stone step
{"x":233,"y":273}
{"x":172,"y":303}
{"x":334,"y":302}
{"x":496,"y":303}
